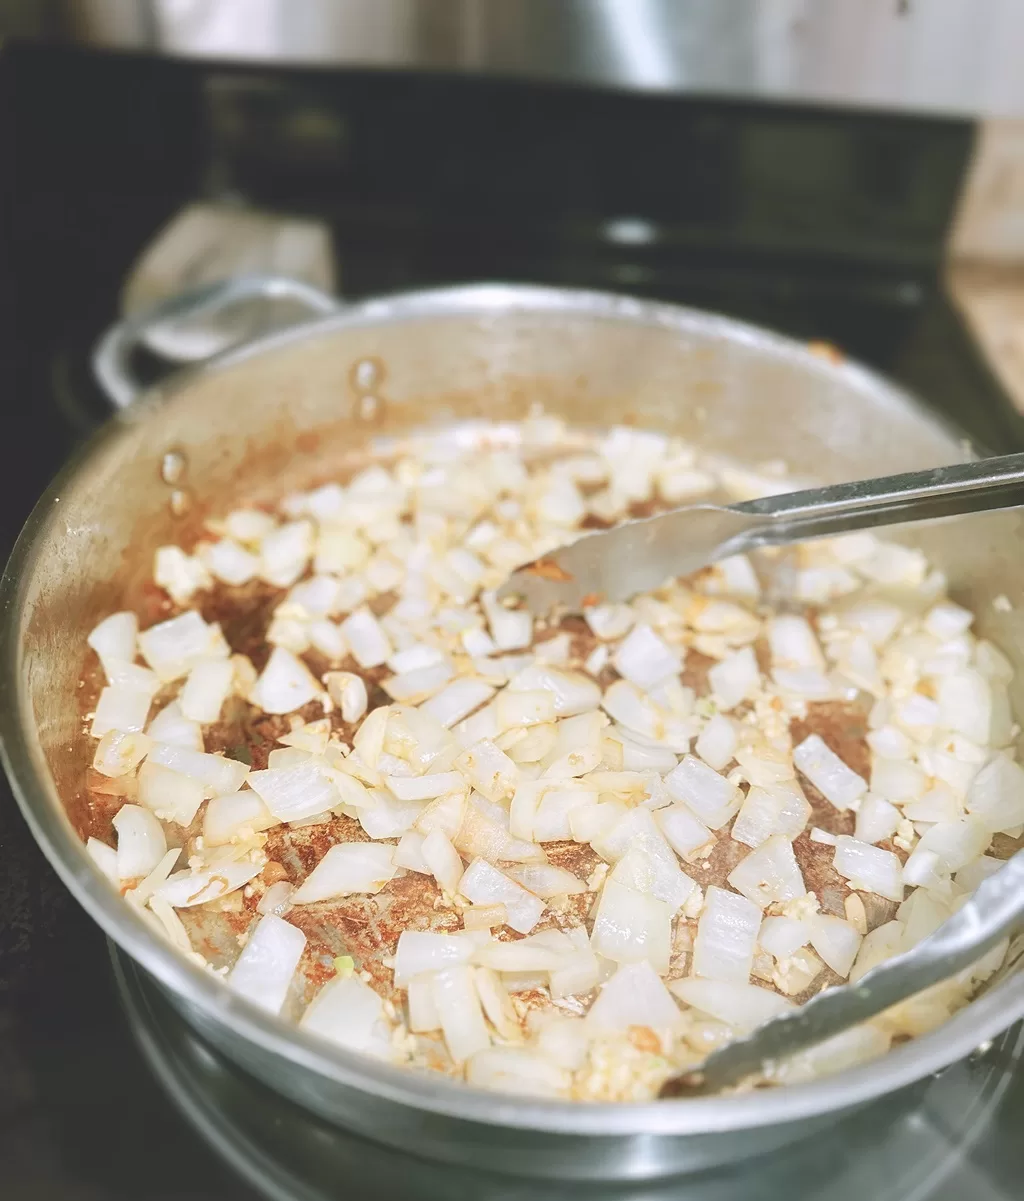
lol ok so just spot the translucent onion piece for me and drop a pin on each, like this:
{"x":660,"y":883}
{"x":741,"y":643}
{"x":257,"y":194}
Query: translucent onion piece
{"x":489,"y":770}
{"x":291,"y":793}
{"x":264,"y":970}
{"x":770,"y":873}
{"x":710,"y":796}
{"x":286,"y":684}
{"x":115,"y":638}
{"x":457,"y":700}
{"x":717,"y":742}
{"x":208,"y":686}
{"x":171,"y":795}
{"x":996,"y":795}
{"x":348,"y":1012}
{"x":348,"y":867}
{"x":726,"y":936}
{"x":235,"y":817}
{"x":173,"y":647}
{"x":517,"y":1071}
{"x":743,"y":1006}
{"x":171,"y":726}
{"x":140,"y":842}
{"x":118,"y":753}
{"x":735,"y":678}
{"x":483,"y":884}
{"x":835,"y":940}
{"x":105,"y":859}
{"x":458,"y":1008}
{"x":645,"y":659}
{"x":420,"y":951}
{"x":869,"y":868}
{"x":185,"y":889}
{"x":631,"y":926}
{"x":777,"y":809}
{"x":828,"y":773}
{"x":634,"y":996}
{"x":120,"y":708}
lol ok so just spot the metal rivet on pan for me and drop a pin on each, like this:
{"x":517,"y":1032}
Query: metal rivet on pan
{"x":180,"y":502}
{"x":173,"y":467}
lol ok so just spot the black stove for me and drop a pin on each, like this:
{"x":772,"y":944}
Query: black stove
{"x":825,"y":224}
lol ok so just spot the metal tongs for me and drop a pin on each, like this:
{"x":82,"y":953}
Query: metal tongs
{"x":637,"y":556}
{"x":993,"y":913}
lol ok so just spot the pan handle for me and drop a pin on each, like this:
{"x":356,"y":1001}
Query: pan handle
{"x":112,"y":358}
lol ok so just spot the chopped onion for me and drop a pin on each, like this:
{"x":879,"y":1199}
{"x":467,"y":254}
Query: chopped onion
{"x":264,"y":970}
{"x":726,"y":937}
{"x":483,"y":884}
{"x":208,"y":686}
{"x":517,"y":1071}
{"x":277,"y":899}
{"x":965,"y":704}
{"x":710,"y":796}
{"x":447,"y":813}
{"x":285,"y":553}
{"x":423,"y":1015}
{"x":877,"y":945}
{"x":648,"y":869}
{"x":227,"y":561}
{"x":171,"y":726}
{"x":118,"y":753}
{"x":140,"y":842}
{"x":366,"y":639}
{"x":743,"y":1006}
{"x":717,"y":742}
{"x":489,"y":770}
{"x":115,"y":638}
{"x":442,"y":861}
{"x":420,"y":951}
{"x":631,"y":926}
{"x":573,"y":692}
{"x":996,"y":795}
{"x":291,"y":793}
{"x":545,"y":880}
{"x":777,"y":809}
{"x":457,"y":701}
{"x":687,"y":835}
{"x":185,"y":889}
{"x":828,"y":773}
{"x":346,"y":868}
{"x":348,"y":1012}
{"x":411,"y":687}
{"x":835,"y":940}
{"x":105,"y":859}
{"x":609,"y":622}
{"x":634,"y":996}
{"x":579,"y":973}
{"x":425,"y":788}
{"x":170,"y":794}
{"x":552,"y":818}
{"x":869,"y":868}
{"x":286,"y":684}
{"x":735,"y":678}
{"x":511,"y":629}
{"x":120,"y":708}
{"x":782,"y":937}
{"x":458,"y":1008}
{"x":348,"y":691}
{"x":877,"y":819}
{"x":524,"y":708}
{"x":645,"y":659}
{"x":771,"y":873}
{"x":793,"y":643}
{"x":234,"y":817}
{"x":173,"y":647}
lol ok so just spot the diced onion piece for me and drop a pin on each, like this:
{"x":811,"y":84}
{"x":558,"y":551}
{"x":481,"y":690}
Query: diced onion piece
{"x":514,"y":709}
{"x":484,"y":917}
{"x":956,"y":843}
{"x":716,"y":744}
{"x":208,"y":686}
{"x":105,"y":859}
{"x":120,"y":708}
{"x":710,"y":796}
{"x":411,"y":687}
{"x":366,"y":639}
{"x":442,"y":860}
{"x":517,"y":1071}
{"x":170,"y":794}
{"x":497,"y":1005}
{"x":483,"y":884}
{"x":285,"y":552}
{"x":458,"y":1008}
{"x":348,"y":867}
{"x":173,"y":647}
{"x":235,"y":817}
{"x":631,"y":926}
{"x":292,"y":793}
{"x":590,"y":823}
{"x":546,"y":951}
{"x":180,"y":575}
{"x":743,"y":1006}
{"x":118,"y":753}
{"x":609,"y":622}
{"x":656,"y":874}
{"x":835,"y":940}
{"x":484,"y":832}
{"x":781,"y":937}
{"x":171,"y":726}
{"x":446,"y":813}
{"x":770,"y":873}
{"x":965,"y":704}
{"x":348,"y":691}
{"x":996,"y":795}
{"x":348,"y":1012}
{"x":264,"y":970}
{"x":869,"y":868}
{"x":735,"y":678}
{"x":185,"y":889}
{"x":645,"y":659}
{"x":489,"y":770}
{"x":877,"y":819}
{"x":580,"y":972}
{"x":877,"y":945}
{"x":409,"y":853}
{"x":686,"y":833}
{"x":511,"y":629}
{"x":828,"y":773}
{"x":545,"y":880}
{"x":420,"y":951}
{"x":897,"y":780}
{"x":552,"y":818}
{"x":115,"y":638}
{"x":425,"y":788}
{"x":218,"y":774}
{"x":286,"y":684}
{"x":423,"y":1015}
{"x":140,"y":842}
{"x":457,"y":701}
{"x":793,"y":643}
{"x":778,"y":809}
{"x":574,"y":692}
{"x":726,"y":937}
{"x":227,"y":561}
{"x":634,"y":996}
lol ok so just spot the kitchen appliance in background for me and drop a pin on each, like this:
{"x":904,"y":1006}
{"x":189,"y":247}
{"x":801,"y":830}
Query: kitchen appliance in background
{"x":827,"y":223}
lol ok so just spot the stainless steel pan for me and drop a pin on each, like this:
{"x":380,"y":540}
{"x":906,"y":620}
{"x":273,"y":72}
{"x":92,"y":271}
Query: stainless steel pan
{"x":270,"y":416}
